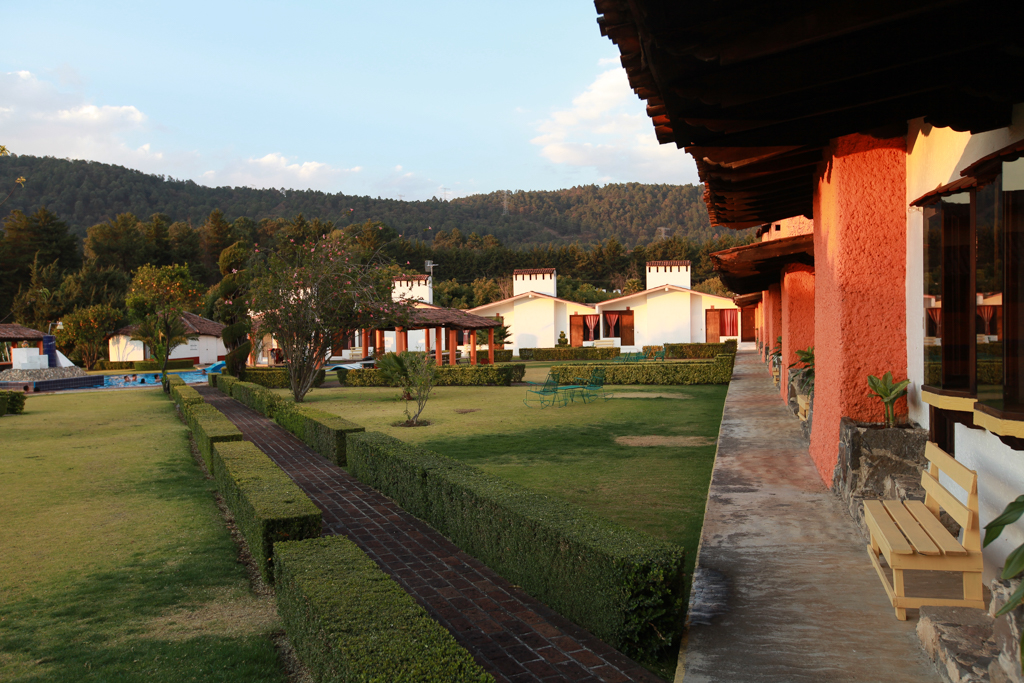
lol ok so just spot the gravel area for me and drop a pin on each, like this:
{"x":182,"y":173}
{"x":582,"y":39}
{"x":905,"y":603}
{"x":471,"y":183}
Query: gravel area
{"x":40,"y":375}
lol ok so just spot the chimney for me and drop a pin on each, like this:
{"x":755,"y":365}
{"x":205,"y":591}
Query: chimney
{"x":661,"y":273}
{"x":415,"y":287}
{"x":540,"y":280}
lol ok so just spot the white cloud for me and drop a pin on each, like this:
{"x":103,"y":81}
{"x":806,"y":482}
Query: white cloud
{"x":276,"y":170}
{"x":607,"y":130}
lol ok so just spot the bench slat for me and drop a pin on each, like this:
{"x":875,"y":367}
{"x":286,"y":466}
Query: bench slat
{"x":968,"y":479}
{"x":877,"y":516}
{"x":957,"y":510}
{"x":938,"y":533}
{"x":917,"y":536}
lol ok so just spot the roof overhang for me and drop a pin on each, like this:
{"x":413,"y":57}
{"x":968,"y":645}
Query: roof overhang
{"x":755,"y":267}
{"x":744,"y":300}
{"x":756,"y":91}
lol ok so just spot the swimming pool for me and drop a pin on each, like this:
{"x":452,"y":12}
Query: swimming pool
{"x":146,"y":379}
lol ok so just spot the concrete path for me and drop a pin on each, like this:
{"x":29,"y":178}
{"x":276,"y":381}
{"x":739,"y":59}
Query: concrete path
{"x":783,"y":589}
{"x":513,"y":636}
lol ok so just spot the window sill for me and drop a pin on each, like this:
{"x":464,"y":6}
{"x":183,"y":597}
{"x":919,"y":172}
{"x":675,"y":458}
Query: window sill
{"x":998,"y":422}
{"x":960,"y":402}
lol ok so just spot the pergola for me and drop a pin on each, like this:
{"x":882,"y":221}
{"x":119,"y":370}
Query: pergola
{"x":439,"y":320}
{"x":13,"y":333}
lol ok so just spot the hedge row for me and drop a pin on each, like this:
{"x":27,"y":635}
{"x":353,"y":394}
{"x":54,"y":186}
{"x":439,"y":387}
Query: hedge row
{"x":15,"y":402}
{"x":184,"y":396}
{"x":718,"y":371}
{"x":209,"y":426}
{"x":680,"y":351}
{"x":114,"y":365}
{"x":349,"y":621}
{"x":225,"y":383}
{"x":277,"y":377}
{"x":447,"y":376}
{"x":267,"y":505}
{"x":502,"y":355}
{"x":154,"y":366}
{"x":323,"y":432}
{"x":3,"y":404}
{"x":622,"y":585}
{"x":570,"y":353}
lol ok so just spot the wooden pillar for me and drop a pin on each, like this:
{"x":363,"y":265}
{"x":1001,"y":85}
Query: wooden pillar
{"x":439,"y":351}
{"x":398,"y":339}
{"x":472,"y":347}
{"x":490,"y":345}
{"x":366,"y":342}
{"x":452,"y":344}
{"x":426,"y":341}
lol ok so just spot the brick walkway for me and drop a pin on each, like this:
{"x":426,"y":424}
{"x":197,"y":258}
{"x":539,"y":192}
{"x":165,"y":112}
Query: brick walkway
{"x":513,"y":636}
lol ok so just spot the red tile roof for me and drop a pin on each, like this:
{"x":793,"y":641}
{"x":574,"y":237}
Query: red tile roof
{"x":958,"y":185}
{"x":534,"y":271}
{"x":668,"y":263}
{"x":16,"y":332}
{"x":410,"y":278}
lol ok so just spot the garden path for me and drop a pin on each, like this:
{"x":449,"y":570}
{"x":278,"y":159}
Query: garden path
{"x":783,"y":590}
{"x":513,"y":636}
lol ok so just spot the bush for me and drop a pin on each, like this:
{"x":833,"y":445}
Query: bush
{"x":349,"y":621}
{"x":684,"y":351}
{"x":447,"y":376}
{"x":502,"y":355}
{"x":211,"y":379}
{"x":3,"y":404}
{"x":267,"y":505}
{"x":185,"y":397}
{"x":259,"y":398}
{"x":15,"y":402}
{"x":571,"y":353}
{"x":154,"y":366}
{"x":718,"y":371}
{"x":114,"y":365}
{"x":277,"y":377}
{"x":209,"y":426}
{"x":225,"y":383}
{"x":325,"y":433}
{"x":622,"y":585}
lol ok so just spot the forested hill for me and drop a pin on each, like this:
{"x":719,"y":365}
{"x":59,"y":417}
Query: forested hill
{"x":84,"y":193}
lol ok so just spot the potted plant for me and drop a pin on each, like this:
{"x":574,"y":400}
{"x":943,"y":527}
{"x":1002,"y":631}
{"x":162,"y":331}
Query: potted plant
{"x":804,"y":380}
{"x":775,"y":360}
{"x":888,"y":391}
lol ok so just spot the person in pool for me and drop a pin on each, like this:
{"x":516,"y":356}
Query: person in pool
{"x":126,"y":378}
{"x":134,"y":377}
{"x":142,"y":381}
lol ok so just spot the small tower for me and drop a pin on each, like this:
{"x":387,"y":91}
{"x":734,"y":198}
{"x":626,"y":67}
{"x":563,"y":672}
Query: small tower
{"x":661,"y":273}
{"x":415,"y":287}
{"x":540,"y":280}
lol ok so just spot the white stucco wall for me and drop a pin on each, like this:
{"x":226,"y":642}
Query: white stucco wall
{"x":667,"y":275}
{"x":709,"y":301}
{"x":542,"y":283}
{"x":698,"y":335}
{"x":207,"y":348}
{"x":414,"y":290}
{"x":122,"y":348}
{"x":668,"y":318}
{"x":535,"y":323}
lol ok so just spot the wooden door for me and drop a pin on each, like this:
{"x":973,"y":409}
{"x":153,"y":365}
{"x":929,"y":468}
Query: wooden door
{"x":747,"y":324}
{"x":626,"y":328}
{"x":576,"y":330}
{"x":712,"y":320}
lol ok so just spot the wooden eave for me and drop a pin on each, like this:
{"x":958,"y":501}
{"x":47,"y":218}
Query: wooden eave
{"x":745,"y":300}
{"x":756,"y":91}
{"x":755,"y":267}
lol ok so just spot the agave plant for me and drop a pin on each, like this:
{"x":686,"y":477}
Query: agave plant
{"x":775,"y":357}
{"x":889,"y":392}
{"x":806,"y":358}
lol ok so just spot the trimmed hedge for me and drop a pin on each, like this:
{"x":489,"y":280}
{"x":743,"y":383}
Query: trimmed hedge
{"x":349,"y":621}
{"x":154,"y":366}
{"x":257,"y":397}
{"x":15,"y":402}
{"x":114,"y":365}
{"x":267,"y":505}
{"x":679,"y":351}
{"x":502,"y":355}
{"x":277,"y":377}
{"x":3,"y":404}
{"x":225,"y":383}
{"x":211,"y":379}
{"x":571,"y":353}
{"x":185,"y":397}
{"x":209,"y":426}
{"x":625,"y":586}
{"x":325,"y":433}
{"x":718,"y":371}
{"x":447,"y":376}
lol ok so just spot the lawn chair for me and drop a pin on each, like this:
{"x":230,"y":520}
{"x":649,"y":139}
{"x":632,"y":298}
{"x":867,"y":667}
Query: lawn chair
{"x":548,"y":394}
{"x":656,"y":355}
{"x":592,"y":388}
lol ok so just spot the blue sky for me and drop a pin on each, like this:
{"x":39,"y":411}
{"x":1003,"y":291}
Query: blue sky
{"x":380,"y":98}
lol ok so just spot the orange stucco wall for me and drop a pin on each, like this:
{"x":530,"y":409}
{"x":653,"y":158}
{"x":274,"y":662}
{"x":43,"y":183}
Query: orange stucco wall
{"x":772,"y":315}
{"x":789,"y":227}
{"x":797,"y":316}
{"x":860,"y":219}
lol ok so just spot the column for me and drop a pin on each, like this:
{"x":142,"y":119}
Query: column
{"x":426,"y":341}
{"x":438,"y":346}
{"x":472,"y":347}
{"x":452,"y":345}
{"x":490,"y":345}
{"x":365,"y":335}
{"x":797,"y":315}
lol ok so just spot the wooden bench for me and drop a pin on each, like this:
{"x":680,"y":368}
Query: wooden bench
{"x":910,"y":536}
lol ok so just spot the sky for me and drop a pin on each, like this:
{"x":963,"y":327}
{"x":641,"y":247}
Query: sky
{"x":392,"y":99}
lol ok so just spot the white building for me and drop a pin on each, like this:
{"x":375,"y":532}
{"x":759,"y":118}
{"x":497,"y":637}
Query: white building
{"x":668,"y":311}
{"x":534,"y":314}
{"x":204,"y":346}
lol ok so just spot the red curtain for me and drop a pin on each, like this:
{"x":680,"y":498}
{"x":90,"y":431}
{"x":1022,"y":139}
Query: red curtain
{"x":986,"y":314}
{"x":591,"y":321}
{"x":730,"y":323}
{"x":611,"y":319}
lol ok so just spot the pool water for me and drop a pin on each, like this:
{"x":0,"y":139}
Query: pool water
{"x":146,"y":379}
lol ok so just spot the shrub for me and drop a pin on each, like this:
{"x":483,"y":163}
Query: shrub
{"x":717,"y":371}
{"x":447,"y":376}
{"x":3,"y":404}
{"x":684,"y":351}
{"x":502,"y":355}
{"x":211,"y":379}
{"x":267,"y":505}
{"x":15,"y":402}
{"x":185,"y":397}
{"x":154,"y":366}
{"x":114,"y":365}
{"x":349,"y":621}
{"x":277,"y":377}
{"x":225,"y":383}
{"x":209,"y":426}
{"x":325,"y":433}
{"x":570,"y":353}
{"x":259,"y":398}
{"x":622,"y":585}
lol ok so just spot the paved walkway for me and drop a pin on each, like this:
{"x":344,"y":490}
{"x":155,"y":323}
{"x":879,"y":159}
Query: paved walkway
{"x":513,"y":636}
{"x":784,"y":590}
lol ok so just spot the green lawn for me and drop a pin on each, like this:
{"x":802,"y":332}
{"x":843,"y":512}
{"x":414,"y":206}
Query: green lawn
{"x":570,"y":452}
{"x":117,"y":565}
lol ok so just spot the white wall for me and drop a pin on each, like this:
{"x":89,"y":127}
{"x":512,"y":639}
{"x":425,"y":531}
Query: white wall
{"x":415,"y":290}
{"x":668,"y":318}
{"x":668,"y":275}
{"x":698,"y":335}
{"x":535,"y":323}
{"x":207,"y":348}
{"x":123,"y":348}
{"x":542,"y":283}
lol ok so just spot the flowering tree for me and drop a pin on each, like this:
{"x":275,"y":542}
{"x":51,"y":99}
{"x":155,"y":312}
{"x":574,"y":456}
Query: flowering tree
{"x":85,"y":331}
{"x":305,"y":294}
{"x":158,"y":297}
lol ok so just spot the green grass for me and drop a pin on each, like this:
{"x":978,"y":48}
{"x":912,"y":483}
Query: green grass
{"x":117,"y":565}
